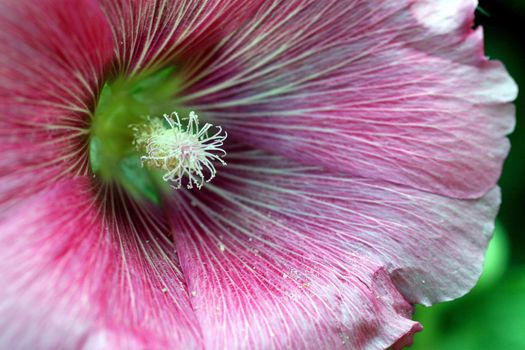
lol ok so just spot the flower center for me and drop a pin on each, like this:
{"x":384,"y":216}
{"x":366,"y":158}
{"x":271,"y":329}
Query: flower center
{"x":183,"y":153}
{"x":131,"y":146}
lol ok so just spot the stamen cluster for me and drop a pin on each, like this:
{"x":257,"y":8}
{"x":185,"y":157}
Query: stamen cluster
{"x":181,"y":148}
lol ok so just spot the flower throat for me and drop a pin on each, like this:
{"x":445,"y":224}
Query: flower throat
{"x":136,"y":144}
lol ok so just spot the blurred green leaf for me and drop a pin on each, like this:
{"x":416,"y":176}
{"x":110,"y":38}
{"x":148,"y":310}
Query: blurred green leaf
{"x":446,"y":324}
{"x":496,"y":260}
{"x":494,"y":320}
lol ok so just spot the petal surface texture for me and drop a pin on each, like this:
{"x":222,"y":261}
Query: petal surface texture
{"x":279,"y":256}
{"x":390,"y":90}
{"x":80,"y":275}
{"x":52,"y":60}
{"x":149,"y":33}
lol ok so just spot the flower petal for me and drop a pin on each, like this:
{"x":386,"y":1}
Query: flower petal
{"x":52,"y":56}
{"x":153,"y":32}
{"x":277,"y":255}
{"x":390,"y":90}
{"x":80,"y":273}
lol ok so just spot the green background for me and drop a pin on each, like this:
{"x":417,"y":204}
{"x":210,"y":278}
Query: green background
{"x":492,"y":316}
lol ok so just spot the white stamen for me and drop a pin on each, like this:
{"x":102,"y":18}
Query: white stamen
{"x":182,"y":152}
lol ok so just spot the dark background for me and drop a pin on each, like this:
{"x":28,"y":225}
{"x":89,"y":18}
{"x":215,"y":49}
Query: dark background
{"x":492,"y":316}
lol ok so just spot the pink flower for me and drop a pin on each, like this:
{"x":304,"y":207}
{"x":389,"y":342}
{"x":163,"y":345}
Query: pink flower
{"x":365,"y":142}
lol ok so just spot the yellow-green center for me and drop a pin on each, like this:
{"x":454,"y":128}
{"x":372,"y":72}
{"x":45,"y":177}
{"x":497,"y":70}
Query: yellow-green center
{"x":125,"y":102}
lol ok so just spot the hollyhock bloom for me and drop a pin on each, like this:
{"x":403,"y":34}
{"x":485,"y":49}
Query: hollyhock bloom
{"x":365,"y":140}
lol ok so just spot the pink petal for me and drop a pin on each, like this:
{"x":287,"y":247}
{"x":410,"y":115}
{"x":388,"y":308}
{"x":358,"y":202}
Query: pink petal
{"x":80,"y":273}
{"x":277,"y":255}
{"x":152,"y":33}
{"x":52,"y":56}
{"x":389,"y":90}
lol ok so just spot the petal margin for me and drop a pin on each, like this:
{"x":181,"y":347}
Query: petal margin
{"x":390,"y":90}
{"x":77,"y":275}
{"x":277,"y":255}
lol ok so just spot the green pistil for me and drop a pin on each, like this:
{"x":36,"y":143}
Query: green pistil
{"x":124,"y":102}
